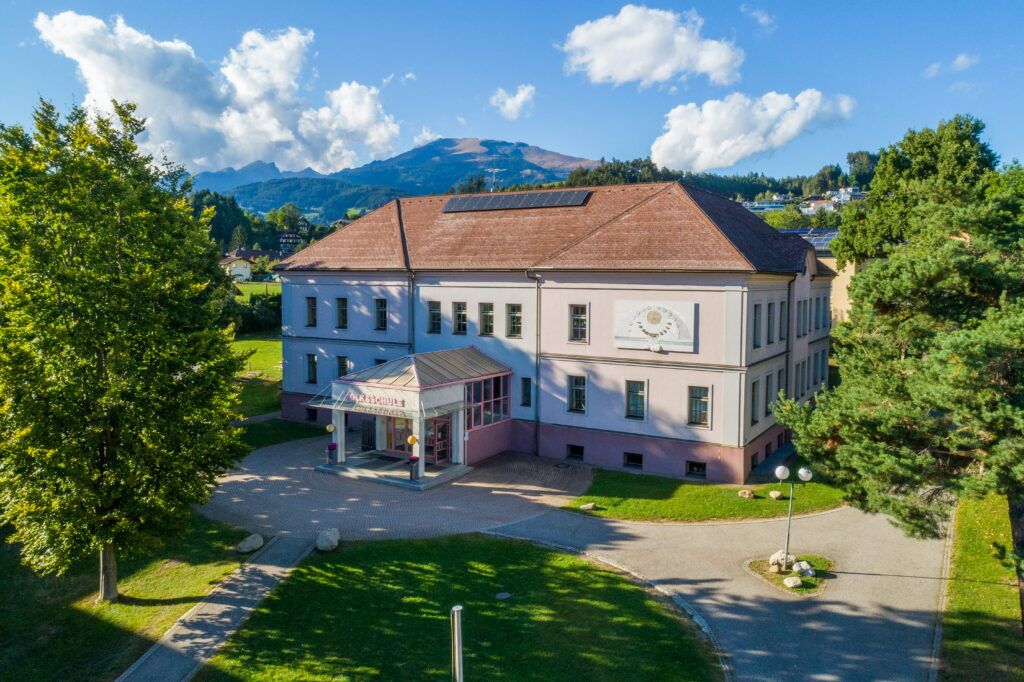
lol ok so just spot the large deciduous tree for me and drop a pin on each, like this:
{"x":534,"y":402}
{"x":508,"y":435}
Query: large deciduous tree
{"x":930,"y":405}
{"x":116,"y":369}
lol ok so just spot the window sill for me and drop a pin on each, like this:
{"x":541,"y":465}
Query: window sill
{"x":576,"y":411}
{"x":483,"y":334}
{"x":636,"y":419}
{"x":458,"y":333}
{"x":578,"y":342}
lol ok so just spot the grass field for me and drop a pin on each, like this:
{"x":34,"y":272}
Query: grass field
{"x":654,"y":498}
{"x":379,"y":610}
{"x":261,"y":379}
{"x":247,"y":289}
{"x":51,"y":629}
{"x":810,"y":585}
{"x":274,"y":431}
{"x":981,"y":628}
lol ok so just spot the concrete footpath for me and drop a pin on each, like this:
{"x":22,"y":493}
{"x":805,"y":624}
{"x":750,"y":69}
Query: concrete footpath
{"x":199,"y":633}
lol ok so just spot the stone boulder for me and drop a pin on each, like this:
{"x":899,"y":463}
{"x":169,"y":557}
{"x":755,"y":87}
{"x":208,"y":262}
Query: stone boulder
{"x":803,"y":568}
{"x":775,"y":494}
{"x":327,"y":539}
{"x":774,"y":568}
{"x":589,"y":506}
{"x":746,"y":494}
{"x":792,"y":582}
{"x":777,"y":559}
{"x":250,"y":544}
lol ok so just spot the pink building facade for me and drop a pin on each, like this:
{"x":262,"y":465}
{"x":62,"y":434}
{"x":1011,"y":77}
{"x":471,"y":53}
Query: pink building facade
{"x":660,"y":356}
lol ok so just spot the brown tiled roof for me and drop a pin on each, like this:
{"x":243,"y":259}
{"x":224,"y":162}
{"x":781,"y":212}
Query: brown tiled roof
{"x":662,"y":226}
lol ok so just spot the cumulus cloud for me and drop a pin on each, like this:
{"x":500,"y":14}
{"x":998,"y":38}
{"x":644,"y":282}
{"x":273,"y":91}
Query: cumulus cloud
{"x":961,"y":62}
{"x":248,"y":109}
{"x":721,"y":132}
{"x":409,"y":76}
{"x":513,"y":106}
{"x":425,"y":136}
{"x":933,"y":70}
{"x":649,"y":46}
{"x":764,"y":20}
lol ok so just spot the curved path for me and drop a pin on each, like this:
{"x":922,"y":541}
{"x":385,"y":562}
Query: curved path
{"x":876,"y":620}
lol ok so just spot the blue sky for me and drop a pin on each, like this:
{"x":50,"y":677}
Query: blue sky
{"x":868,"y":72}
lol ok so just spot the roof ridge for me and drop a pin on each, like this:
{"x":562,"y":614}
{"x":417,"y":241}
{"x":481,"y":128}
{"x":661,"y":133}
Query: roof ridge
{"x":685,"y":190}
{"x":591,"y":232}
{"x":544,"y":189}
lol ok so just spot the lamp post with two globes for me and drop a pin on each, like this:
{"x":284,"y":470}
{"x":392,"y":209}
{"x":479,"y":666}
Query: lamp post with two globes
{"x":782,"y":473}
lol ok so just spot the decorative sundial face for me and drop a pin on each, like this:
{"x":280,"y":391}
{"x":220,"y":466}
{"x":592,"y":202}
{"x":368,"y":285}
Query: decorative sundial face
{"x":655,"y":321}
{"x":655,"y":326}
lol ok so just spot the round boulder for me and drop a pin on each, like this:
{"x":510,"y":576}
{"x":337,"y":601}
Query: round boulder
{"x":746,"y":494}
{"x":792,"y":582}
{"x":327,"y":539}
{"x":775,"y":494}
{"x":250,"y":544}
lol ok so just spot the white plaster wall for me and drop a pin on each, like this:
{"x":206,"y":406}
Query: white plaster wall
{"x":360,"y":290}
{"x":360,"y":356}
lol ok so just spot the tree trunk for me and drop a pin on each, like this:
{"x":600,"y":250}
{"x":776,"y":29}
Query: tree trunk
{"x":108,"y":573}
{"x":1016,"y":504}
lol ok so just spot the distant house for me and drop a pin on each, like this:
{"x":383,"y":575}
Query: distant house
{"x":760,"y":207}
{"x":238,"y":268}
{"x":288,"y":242}
{"x":815,"y":205}
{"x":255,"y":254}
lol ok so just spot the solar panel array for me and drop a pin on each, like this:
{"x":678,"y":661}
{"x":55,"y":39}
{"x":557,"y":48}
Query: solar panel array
{"x":501,"y":201}
{"x":820,"y":238}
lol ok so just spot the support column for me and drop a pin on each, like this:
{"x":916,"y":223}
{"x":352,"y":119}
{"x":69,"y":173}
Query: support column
{"x":419,"y":429}
{"x":456,"y":437}
{"x":339,"y":436}
{"x":380,"y":426}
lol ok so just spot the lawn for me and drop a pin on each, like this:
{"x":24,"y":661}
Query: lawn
{"x":274,"y":431}
{"x":379,"y":610}
{"x":621,"y":495}
{"x":247,"y":289}
{"x":261,"y":378}
{"x":51,"y":629}
{"x":981,"y":626}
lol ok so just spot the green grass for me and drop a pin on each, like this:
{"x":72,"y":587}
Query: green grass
{"x":247,"y":289}
{"x":621,"y":495}
{"x":261,"y":379}
{"x":274,"y":431}
{"x":810,"y":585}
{"x":51,"y":629}
{"x":981,"y":627}
{"x":379,"y":610}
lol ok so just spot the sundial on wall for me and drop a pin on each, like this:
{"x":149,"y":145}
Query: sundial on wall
{"x":654,"y":326}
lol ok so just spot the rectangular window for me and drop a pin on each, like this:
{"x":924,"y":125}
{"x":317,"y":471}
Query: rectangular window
{"x":782,"y":380}
{"x":487,"y":401}
{"x":380,"y":308}
{"x":433,"y":317}
{"x":458,"y":318}
{"x":513,"y":320}
{"x":577,"y":394}
{"x":770,"y":327}
{"x":754,"y":398}
{"x":341,"y":304}
{"x":573,"y":451}
{"x":755,"y":326}
{"x":696,"y":469}
{"x":525,"y":391}
{"x":311,"y":311}
{"x":633,"y":460}
{"x":783,"y":320}
{"x":698,"y":409}
{"x":310,"y":368}
{"x":486,"y":319}
{"x":635,"y":397}
{"x":816,"y":372}
{"x":578,"y":323}
{"x":342,"y":365}
{"x":807,"y":374}
{"x":817,"y":312}
{"x":824,"y":364}
{"x":769,"y":396}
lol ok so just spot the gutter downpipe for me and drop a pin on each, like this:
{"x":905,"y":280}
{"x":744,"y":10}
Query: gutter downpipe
{"x":790,"y":314}
{"x":536,"y":363}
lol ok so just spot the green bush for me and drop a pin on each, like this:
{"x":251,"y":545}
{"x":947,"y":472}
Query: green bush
{"x":261,"y":312}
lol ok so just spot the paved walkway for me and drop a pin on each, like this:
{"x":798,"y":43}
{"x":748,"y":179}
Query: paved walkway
{"x":199,"y":633}
{"x":276,"y":491}
{"x":875,"y":621}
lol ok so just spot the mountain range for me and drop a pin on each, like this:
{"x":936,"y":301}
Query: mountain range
{"x":431,"y":168}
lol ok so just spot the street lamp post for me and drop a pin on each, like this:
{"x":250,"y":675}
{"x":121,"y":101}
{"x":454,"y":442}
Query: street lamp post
{"x":782,"y":473}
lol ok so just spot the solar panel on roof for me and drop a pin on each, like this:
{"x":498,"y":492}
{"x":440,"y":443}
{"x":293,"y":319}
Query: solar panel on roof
{"x":502,"y":201}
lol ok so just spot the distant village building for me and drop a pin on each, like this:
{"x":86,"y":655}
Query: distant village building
{"x":760,"y":207}
{"x":642,"y":327}
{"x":237,"y":267}
{"x":288,"y":242}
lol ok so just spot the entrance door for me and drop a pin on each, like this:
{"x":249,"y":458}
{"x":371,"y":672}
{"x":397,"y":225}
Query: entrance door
{"x":398,"y":432}
{"x":439,"y":436}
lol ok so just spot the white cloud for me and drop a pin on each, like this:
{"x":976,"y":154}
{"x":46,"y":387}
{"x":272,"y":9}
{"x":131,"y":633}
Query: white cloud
{"x":513,"y":106}
{"x":461,"y":120}
{"x":425,"y":135}
{"x":649,"y":46}
{"x":248,"y":109}
{"x":763,"y":19}
{"x":721,"y":132}
{"x":964,"y":61}
{"x":387,"y":79}
{"x":933,"y":70}
{"x":409,"y":76}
